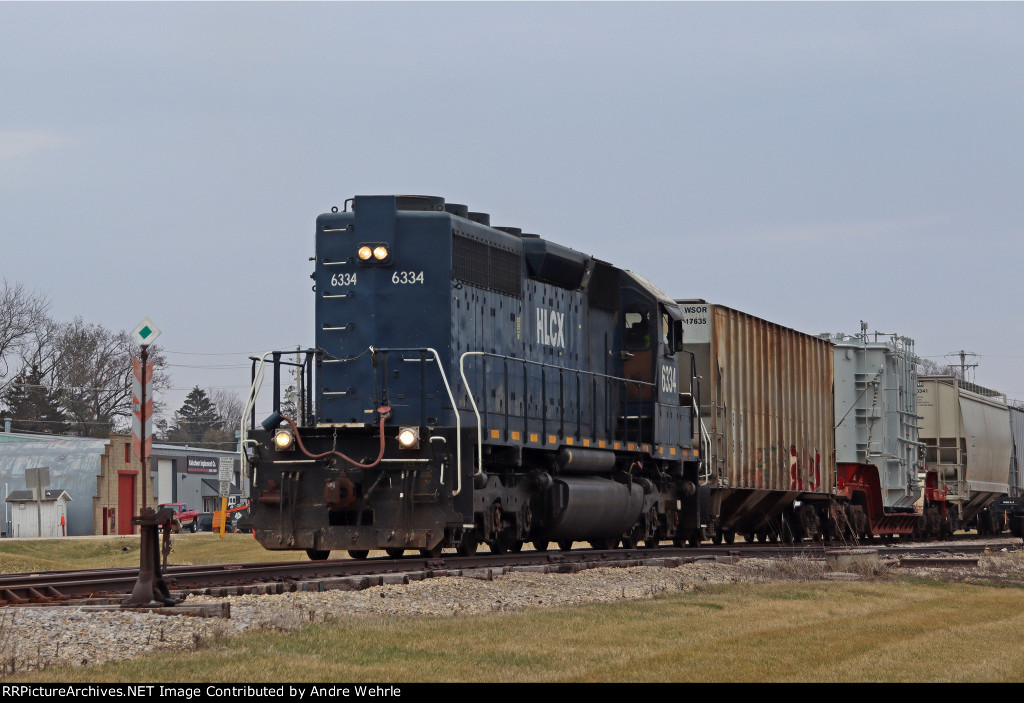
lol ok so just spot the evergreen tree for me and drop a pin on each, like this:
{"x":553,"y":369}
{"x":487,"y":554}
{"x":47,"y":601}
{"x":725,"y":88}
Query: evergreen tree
{"x":194,"y":419}
{"x":32,"y":405}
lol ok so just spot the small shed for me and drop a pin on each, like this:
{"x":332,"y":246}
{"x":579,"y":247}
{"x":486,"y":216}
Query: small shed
{"x":27,"y":513}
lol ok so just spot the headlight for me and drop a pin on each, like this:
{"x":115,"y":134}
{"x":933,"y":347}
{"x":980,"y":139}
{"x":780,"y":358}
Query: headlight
{"x":374,"y":252}
{"x":284,"y":440}
{"x":409,"y":437}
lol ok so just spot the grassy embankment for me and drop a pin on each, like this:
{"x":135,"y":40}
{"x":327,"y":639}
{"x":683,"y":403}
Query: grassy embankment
{"x":896,"y":630}
{"x":831,"y":632}
{"x":31,"y":555}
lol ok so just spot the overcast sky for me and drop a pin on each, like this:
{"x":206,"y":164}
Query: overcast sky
{"x":815,"y":164}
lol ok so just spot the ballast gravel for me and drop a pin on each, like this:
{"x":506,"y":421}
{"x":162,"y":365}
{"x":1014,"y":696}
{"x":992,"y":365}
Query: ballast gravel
{"x":38,"y":637}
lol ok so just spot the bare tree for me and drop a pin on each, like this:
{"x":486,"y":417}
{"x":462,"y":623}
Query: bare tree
{"x":92,"y":377}
{"x":928,"y":367}
{"x":229,"y":408}
{"x":21,"y":313}
{"x":39,"y":349}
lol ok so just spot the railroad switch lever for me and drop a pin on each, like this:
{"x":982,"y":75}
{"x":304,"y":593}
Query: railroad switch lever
{"x":150,"y":588}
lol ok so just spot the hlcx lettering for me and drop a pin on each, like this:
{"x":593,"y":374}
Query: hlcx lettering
{"x":550,"y":328}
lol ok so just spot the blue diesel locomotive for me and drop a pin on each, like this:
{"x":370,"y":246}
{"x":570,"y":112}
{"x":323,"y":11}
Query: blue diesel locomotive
{"x":474,"y":384}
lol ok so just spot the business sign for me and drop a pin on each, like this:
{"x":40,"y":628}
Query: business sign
{"x":202,"y":465}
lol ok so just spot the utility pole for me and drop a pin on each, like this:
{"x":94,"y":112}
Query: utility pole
{"x":963,"y":362}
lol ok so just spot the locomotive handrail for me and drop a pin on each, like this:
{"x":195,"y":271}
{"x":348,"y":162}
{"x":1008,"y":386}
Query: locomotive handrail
{"x":451,"y":397}
{"x":479,"y":425}
{"x":705,"y":441}
{"x":702,"y":430}
{"x":476,"y":411}
{"x":256,"y":384}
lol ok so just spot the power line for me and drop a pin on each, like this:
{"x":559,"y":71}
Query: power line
{"x":963,"y":361}
{"x":243,"y":354}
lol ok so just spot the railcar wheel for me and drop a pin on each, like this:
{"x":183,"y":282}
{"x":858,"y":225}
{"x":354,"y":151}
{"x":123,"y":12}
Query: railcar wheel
{"x":652,"y":543}
{"x":359,"y":554}
{"x":467,"y":547}
{"x":717,"y":537}
{"x":318,"y":554}
{"x":395,"y":552}
{"x":565,"y":545}
{"x":540,"y":545}
{"x":603,"y":544}
{"x":694,"y":539}
{"x":729,"y":536}
{"x":432,"y":553}
{"x":516,"y":546}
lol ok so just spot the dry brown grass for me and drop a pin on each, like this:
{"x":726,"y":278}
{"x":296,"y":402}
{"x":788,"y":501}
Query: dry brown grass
{"x":890,"y":631}
{"x":31,"y":555}
{"x":895,"y":625}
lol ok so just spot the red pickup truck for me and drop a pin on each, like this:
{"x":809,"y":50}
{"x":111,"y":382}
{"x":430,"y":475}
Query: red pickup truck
{"x":183,"y":515}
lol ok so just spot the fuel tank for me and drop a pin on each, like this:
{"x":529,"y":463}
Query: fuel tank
{"x":585,"y":508}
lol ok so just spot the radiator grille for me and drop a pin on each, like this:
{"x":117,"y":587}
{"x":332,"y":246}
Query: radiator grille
{"x":487,"y":266}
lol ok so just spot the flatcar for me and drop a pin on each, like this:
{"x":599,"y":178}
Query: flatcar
{"x":878,"y":450}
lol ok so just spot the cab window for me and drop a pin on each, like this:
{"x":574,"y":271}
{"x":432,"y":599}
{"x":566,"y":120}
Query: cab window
{"x":671,"y":334}
{"x":638,"y":331}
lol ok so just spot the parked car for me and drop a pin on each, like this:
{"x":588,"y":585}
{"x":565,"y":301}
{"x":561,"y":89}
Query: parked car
{"x":183,"y":516}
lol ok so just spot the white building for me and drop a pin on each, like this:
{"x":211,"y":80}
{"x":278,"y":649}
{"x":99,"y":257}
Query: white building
{"x":26,"y":513}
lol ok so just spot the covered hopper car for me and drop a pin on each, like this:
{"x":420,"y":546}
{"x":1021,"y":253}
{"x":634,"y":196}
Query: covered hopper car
{"x":968,"y":452}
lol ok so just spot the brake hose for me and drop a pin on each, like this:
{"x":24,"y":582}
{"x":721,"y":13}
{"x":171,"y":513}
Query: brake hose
{"x":384,"y":412}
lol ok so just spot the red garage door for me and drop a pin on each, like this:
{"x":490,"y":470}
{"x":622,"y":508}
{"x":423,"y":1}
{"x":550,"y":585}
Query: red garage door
{"x":125,"y":502}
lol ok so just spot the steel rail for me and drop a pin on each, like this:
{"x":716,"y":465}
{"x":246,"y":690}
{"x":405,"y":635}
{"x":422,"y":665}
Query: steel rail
{"x":55,"y":588}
